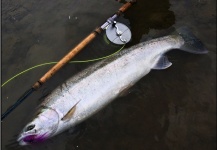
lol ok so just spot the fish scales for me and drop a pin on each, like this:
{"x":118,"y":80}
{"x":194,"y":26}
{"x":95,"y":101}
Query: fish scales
{"x":98,"y":85}
{"x":86,"y":93}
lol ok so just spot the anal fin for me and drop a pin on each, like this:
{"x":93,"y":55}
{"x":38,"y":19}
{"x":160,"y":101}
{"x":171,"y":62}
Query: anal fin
{"x":163,"y":63}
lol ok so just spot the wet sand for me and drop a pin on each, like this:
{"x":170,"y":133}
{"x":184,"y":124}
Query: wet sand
{"x":173,"y":109}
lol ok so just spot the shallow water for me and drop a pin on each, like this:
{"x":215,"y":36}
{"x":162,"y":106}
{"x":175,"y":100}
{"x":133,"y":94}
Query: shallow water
{"x":172,"y":109}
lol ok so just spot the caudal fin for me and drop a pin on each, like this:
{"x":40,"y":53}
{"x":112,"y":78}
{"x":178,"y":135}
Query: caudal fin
{"x":192,"y":43}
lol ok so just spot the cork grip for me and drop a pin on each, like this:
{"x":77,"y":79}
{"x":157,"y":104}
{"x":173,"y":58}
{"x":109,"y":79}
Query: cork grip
{"x":76,"y":50}
{"x":66,"y":59}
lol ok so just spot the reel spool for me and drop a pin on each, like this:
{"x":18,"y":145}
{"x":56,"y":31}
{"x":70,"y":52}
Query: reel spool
{"x":118,"y":33}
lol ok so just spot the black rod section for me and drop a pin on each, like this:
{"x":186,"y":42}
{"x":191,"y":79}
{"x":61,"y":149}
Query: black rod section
{"x":18,"y":102}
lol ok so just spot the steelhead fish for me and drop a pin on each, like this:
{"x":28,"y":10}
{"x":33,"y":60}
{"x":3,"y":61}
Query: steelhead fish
{"x":83,"y":95}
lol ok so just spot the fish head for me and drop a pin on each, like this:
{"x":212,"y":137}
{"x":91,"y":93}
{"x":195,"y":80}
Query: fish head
{"x":43,"y":126}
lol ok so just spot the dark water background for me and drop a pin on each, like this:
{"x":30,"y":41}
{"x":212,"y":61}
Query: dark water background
{"x":173,"y":109}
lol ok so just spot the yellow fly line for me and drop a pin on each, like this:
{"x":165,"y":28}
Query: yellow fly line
{"x":50,"y":63}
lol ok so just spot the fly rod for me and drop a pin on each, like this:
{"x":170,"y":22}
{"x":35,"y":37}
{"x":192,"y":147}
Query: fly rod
{"x":68,"y":57}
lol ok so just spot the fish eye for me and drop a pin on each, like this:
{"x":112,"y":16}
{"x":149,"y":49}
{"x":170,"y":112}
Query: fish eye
{"x":30,"y":127}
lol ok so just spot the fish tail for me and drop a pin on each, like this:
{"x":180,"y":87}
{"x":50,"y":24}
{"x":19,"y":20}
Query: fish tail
{"x":191,"y":43}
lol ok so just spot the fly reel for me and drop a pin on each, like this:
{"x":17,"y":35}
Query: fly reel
{"x":118,"y":33}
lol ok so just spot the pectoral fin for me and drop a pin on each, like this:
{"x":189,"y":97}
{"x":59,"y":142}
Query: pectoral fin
{"x":70,"y":113}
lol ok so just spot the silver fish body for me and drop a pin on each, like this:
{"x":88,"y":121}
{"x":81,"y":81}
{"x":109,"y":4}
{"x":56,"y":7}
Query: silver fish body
{"x":95,"y":87}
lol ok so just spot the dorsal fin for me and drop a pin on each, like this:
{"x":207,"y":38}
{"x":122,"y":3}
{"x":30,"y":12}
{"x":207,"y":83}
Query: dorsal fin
{"x":70,"y":113}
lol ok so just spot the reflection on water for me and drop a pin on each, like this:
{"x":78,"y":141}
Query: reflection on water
{"x":169,"y":109}
{"x":147,"y":15}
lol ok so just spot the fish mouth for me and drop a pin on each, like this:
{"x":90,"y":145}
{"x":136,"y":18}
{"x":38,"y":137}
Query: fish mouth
{"x":31,"y":139}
